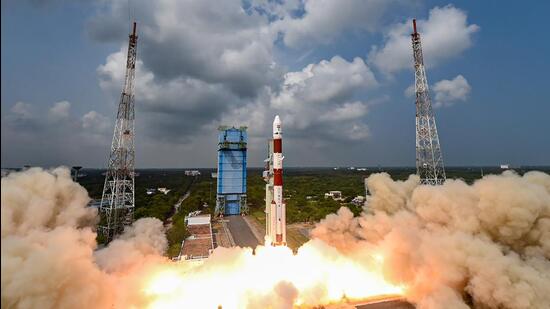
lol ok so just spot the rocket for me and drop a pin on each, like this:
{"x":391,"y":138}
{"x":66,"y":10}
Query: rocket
{"x":277,"y":213}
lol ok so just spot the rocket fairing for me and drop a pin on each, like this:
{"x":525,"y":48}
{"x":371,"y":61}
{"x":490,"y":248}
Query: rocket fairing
{"x":278,"y":208}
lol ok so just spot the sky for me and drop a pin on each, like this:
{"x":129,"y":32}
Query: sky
{"x":339,"y":74}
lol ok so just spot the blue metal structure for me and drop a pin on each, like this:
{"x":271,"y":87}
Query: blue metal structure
{"x":231,"y":187}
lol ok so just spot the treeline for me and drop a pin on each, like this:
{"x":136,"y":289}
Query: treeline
{"x":305,"y":193}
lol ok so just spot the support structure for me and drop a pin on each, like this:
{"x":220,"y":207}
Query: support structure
{"x":231,"y":176}
{"x":429,"y":159}
{"x":268,"y":178}
{"x":117,"y":201}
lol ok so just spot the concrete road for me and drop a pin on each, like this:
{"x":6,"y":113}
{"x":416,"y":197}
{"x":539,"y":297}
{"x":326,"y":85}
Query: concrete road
{"x":242,"y":235}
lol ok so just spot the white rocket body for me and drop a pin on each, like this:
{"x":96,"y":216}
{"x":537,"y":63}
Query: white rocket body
{"x":277,"y":211}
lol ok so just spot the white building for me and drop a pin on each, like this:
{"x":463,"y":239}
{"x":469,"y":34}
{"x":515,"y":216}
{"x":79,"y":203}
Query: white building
{"x":335,"y":195}
{"x":358,"y":200}
{"x":163,"y":190}
{"x":200,"y":244}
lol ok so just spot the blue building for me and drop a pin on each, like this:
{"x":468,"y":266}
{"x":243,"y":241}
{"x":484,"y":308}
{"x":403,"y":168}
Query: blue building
{"x":231,"y":187}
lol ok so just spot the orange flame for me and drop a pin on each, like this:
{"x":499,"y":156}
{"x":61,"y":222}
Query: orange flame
{"x":236,"y":278}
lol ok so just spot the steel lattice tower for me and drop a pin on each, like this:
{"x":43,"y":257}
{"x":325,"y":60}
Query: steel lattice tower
{"x":429,"y":159}
{"x":117,"y":201}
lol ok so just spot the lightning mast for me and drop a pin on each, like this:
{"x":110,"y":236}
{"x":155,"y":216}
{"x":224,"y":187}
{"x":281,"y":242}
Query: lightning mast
{"x":117,"y":201}
{"x":429,"y":159}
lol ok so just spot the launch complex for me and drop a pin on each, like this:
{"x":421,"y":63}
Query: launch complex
{"x":117,"y":205}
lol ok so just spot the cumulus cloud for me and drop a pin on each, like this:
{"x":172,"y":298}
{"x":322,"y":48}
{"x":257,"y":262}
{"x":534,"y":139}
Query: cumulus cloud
{"x":95,"y":121}
{"x":325,"y":82}
{"x":409,"y":91}
{"x":323,"y":93}
{"x":321,"y":100}
{"x":206,"y":40}
{"x":322,"y":21}
{"x":175,"y":109}
{"x":25,"y":131}
{"x":445,"y":34}
{"x":60,"y":110}
{"x":448,"y":92}
{"x":197,"y":61}
{"x":22,"y":110}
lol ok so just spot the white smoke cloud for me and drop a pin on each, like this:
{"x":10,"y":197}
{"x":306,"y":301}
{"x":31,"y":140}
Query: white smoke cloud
{"x":489,"y":239}
{"x":48,"y":244}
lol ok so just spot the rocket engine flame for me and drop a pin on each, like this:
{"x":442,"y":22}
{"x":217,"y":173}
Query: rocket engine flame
{"x":433,"y":245}
{"x":318,"y":274}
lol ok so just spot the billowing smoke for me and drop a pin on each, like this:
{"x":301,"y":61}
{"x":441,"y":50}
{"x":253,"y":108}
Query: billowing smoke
{"x":485,"y":245}
{"x":48,"y":244}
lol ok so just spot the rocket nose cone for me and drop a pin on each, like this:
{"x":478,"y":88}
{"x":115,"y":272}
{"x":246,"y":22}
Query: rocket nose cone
{"x":277,"y":127}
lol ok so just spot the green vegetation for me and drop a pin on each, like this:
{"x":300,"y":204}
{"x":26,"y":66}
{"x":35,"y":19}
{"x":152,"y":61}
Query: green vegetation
{"x":202,"y":197}
{"x":158,"y":205}
{"x":176,"y":234}
{"x":304,"y":191}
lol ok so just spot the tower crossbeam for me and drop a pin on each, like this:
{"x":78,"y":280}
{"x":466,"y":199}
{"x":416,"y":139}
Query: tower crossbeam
{"x":429,"y":158}
{"x":118,"y":199}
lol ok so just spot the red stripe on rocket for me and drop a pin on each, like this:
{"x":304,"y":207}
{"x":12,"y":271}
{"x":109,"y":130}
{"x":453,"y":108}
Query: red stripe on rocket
{"x":280,"y":208}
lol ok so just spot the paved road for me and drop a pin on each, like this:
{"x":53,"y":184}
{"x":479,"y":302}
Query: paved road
{"x":242,"y":235}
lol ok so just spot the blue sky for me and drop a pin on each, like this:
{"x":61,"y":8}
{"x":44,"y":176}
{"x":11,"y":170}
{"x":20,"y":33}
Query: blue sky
{"x":236,"y":68}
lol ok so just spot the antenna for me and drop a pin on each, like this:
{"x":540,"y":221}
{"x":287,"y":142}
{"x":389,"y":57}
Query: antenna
{"x":117,"y":201}
{"x":429,"y":159}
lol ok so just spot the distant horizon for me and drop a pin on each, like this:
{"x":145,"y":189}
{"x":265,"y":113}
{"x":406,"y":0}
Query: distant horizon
{"x":341,"y":167}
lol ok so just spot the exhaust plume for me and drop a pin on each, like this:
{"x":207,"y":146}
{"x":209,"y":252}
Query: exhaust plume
{"x":485,"y":245}
{"x":48,"y":244}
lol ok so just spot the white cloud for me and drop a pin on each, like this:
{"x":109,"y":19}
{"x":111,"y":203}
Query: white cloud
{"x":60,"y":110}
{"x":196,"y":61}
{"x":448,"y":92}
{"x":59,"y":137}
{"x":212,"y":41}
{"x":324,"y":82}
{"x":22,"y":110}
{"x":319,"y":100}
{"x":95,"y":122}
{"x":323,"y":20}
{"x":409,"y":91}
{"x":346,"y":111}
{"x":166,"y":102}
{"x":444,"y":35}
